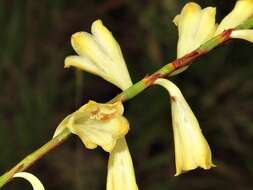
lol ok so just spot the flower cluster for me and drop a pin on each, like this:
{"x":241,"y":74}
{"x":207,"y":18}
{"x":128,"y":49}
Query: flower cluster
{"x":104,"y":124}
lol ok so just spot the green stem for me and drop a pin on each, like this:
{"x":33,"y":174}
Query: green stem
{"x":128,"y":94}
{"x":173,"y":66}
{"x":33,"y":157}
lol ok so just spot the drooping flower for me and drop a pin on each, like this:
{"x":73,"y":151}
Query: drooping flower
{"x":191,"y":147}
{"x":196,"y":25}
{"x":99,"y":53}
{"x":35,"y":182}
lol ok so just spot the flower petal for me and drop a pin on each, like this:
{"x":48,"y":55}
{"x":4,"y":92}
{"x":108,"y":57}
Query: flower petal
{"x":102,"y":132}
{"x":120,"y":168}
{"x":109,"y":45}
{"x":243,"y":10}
{"x":83,"y":63}
{"x":35,"y":182}
{"x":243,"y":34}
{"x":191,"y":147}
{"x":85,"y":45}
{"x":206,"y":27}
{"x":187,"y":22}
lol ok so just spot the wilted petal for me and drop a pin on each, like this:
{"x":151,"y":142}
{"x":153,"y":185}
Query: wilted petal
{"x":191,"y":147}
{"x":243,"y":34}
{"x":35,"y":182}
{"x":121,"y":174}
{"x":195,"y":26}
{"x":243,"y":10}
{"x":97,"y":124}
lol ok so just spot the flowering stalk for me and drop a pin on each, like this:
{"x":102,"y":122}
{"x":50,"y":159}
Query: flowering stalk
{"x":129,"y":94}
{"x":33,"y":157}
{"x":175,"y":65}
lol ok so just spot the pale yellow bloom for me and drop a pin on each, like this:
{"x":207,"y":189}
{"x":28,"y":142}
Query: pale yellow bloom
{"x":100,"y":54}
{"x":196,"y":25}
{"x":121,"y":174}
{"x":191,"y":147}
{"x":97,"y":124}
{"x":34,"y":181}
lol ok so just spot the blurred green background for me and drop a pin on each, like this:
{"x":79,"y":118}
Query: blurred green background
{"x":37,"y":93}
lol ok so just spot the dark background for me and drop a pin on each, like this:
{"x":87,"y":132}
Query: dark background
{"x":36,"y":93}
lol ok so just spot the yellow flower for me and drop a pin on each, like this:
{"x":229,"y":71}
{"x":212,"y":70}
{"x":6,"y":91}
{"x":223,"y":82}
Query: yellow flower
{"x":35,"y":182}
{"x":191,"y":147}
{"x":100,"y":54}
{"x":97,"y":124}
{"x":196,"y":25}
{"x":121,"y":174}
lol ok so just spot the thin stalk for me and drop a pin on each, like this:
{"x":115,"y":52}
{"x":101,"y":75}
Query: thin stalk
{"x":128,"y":94}
{"x":33,"y":157}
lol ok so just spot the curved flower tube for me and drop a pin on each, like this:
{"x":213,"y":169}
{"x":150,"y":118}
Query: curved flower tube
{"x":196,"y":25}
{"x":191,"y":147}
{"x":35,"y":182}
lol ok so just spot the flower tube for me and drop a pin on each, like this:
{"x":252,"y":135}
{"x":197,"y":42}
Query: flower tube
{"x":191,"y":147}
